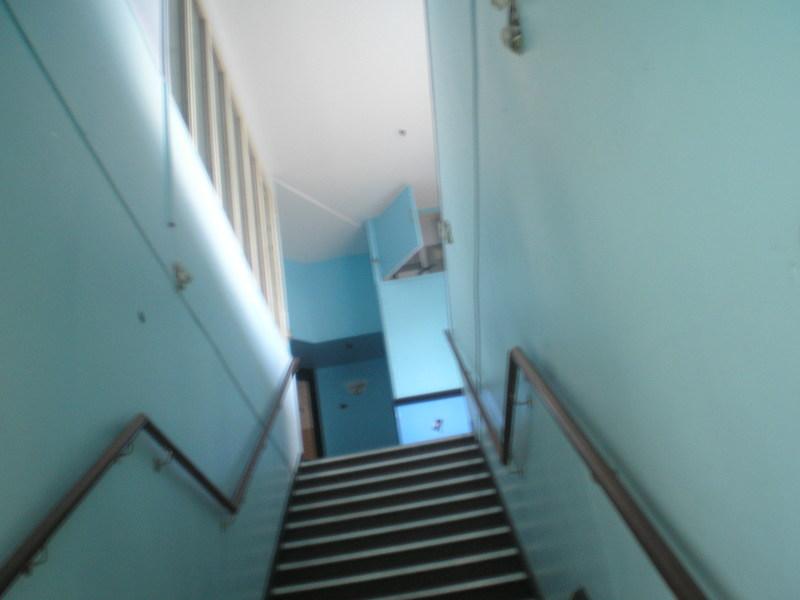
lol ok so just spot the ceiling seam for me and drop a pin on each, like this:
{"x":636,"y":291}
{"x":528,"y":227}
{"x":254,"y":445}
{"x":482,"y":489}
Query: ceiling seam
{"x":314,"y":201}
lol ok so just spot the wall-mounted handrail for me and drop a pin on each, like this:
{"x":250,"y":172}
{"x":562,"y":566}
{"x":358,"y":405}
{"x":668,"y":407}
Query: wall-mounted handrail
{"x":21,"y":560}
{"x":661,"y":555}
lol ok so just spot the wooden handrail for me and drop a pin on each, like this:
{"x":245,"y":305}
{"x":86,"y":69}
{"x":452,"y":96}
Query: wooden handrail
{"x":22,"y":558}
{"x":473,"y":391}
{"x":675,"y":575}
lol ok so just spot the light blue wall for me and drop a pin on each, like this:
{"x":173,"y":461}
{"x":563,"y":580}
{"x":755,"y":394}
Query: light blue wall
{"x":417,"y":421}
{"x":638,"y":237}
{"x":397,"y":233}
{"x":331,"y":299}
{"x":414,"y":317}
{"x":367,"y":420}
{"x":456,"y":153}
{"x":85,"y":249}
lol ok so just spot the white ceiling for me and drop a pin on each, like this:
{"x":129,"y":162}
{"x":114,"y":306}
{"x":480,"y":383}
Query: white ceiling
{"x":326,"y":85}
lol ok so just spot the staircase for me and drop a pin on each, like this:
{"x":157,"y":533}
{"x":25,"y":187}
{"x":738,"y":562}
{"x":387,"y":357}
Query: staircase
{"x":401,"y":523}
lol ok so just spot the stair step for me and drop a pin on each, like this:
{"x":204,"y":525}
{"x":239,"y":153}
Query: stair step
{"x":379,"y":482}
{"x":394,"y":549}
{"x":312,"y":466}
{"x":402,"y":533}
{"x":387,"y":465}
{"x":390,"y":514}
{"x":395,"y":555}
{"x":513,"y":585}
{"x":394,"y":496}
{"x":404,"y":579}
{"x":412,"y":522}
{"x":392,"y":528}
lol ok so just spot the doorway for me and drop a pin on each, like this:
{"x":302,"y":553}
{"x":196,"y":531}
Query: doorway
{"x":309,"y":415}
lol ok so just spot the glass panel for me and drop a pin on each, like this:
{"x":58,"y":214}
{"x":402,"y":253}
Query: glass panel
{"x":266,"y":256}
{"x":200,"y":87}
{"x":222,"y":140}
{"x":254,"y":182}
{"x":259,"y":222}
{"x":240,"y":175}
{"x":578,"y":526}
{"x":270,"y":252}
{"x":268,"y":248}
{"x":177,"y":54}
{"x":432,"y":419}
{"x":148,"y":14}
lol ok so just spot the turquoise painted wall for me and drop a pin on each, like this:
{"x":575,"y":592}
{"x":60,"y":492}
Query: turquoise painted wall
{"x":397,"y":233}
{"x":85,"y":250}
{"x":432,"y":419}
{"x":331,"y":299}
{"x":452,"y":87}
{"x":352,"y":423}
{"x":414,"y":316}
{"x":638,"y":237}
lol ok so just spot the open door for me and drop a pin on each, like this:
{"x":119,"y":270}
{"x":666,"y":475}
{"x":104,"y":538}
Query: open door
{"x":309,"y":421}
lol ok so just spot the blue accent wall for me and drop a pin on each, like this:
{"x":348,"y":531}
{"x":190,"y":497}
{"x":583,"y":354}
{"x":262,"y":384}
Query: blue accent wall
{"x":339,"y":352}
{"x":352,"y":423}
{"x":397,"y":233}
{"x":331,"y":299}
{"x":94,"y":331}
{"x":432,"y":419}
{"x":414,"y":316}
{"x":637,"y":235}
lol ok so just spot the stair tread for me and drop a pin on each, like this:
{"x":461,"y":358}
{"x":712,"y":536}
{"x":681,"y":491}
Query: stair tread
{"x":387,"y":493}
{"x":396,"y":572}
{"x":375,"y":512}
{"x":476,"y":584}
{"x":395,"y":549}
{"x":415,"y":524}
{"x":388,"y":463}
{"x":388,"y":450}
{"x":389,"y":477}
